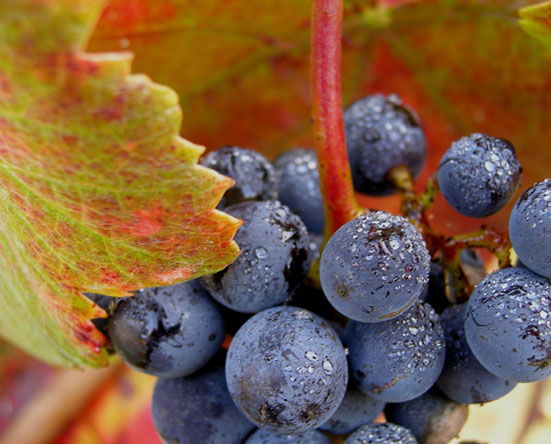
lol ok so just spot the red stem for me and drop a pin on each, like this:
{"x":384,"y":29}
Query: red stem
{"x":340,"y":204}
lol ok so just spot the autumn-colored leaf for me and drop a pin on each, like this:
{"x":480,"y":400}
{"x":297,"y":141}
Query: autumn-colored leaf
{"x":464,"y":65}
{"x":536,"y":21}
{"x":98,"y":193}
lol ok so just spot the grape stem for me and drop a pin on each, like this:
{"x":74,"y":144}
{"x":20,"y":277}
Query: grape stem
{"x":340,"y":204}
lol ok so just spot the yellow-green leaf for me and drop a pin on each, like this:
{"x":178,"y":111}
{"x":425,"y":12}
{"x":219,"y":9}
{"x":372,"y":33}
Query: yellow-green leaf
{"x":98,"y":193}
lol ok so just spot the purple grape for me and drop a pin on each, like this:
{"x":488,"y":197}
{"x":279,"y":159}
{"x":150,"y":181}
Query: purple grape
{"x":298,"y":186}
{"x":432,"y":418}
{"x":167,"y":331}
{"x":463,"y":378}
{"x":508,"y":324}
{"x":478,"y":174}
{"x":273,"y":262}
{"x":198,"y":409}
{"x":264,"y":437}
{"x":374,"y":267}
{"x":286,"y":370}
{"x":381,"y":133}
{"x":385,"y":433}
{"x":253,"y":174}
{"x":356,"y":409}
{"x":530,"y":228}
{"x":399,"y":359}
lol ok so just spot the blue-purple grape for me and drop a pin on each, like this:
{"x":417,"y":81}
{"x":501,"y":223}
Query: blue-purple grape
{"x":382,"y":133}
{"x":432,"y":418}
{"x":463,"y":378}
{"x":167,"y":331}
{"x":356,"y":409}
{"x":198,"y":409}
{"x":530,"y":228}
{"x":298,"y":186}
{"x":374,"y":267}
{"x":478,"y":174}
{"x":385,"y":433}
{"x":265,"y":437}
{"x":286,"y":370}
{"x":253,"y":174}
{"x":399,"y":359}
{"x":273,"y":262}
{"x":508,"y":324}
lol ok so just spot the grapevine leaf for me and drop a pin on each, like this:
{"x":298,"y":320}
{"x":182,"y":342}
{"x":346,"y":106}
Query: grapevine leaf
{"x":98,"y":193}
{"x":536,"y":21}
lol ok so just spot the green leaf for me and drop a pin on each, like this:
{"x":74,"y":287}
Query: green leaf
{"x":536,"y":21}
{"x":98,"y":193}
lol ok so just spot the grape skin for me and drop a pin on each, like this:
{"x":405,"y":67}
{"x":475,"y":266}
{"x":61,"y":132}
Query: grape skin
{"x":298,"y":187}
{"x":478,"y":174}
{"x":374,"y":267}
{"x":273,"y":262}
{"x":508,"y":324}
{"x":198,"y":409}
{"x":529,"y":228}
{"x":463,"y":378}
{"x":167,"y":331}
{"x":286,"y":370}
{"x":264,"y":437}
{"x":431,"y":418}
{"x":385,"y":433}
{"x":399,"y":359}
{"x":253,"y":174}
{"x":356,"y":409}
{"x":381,"y":134}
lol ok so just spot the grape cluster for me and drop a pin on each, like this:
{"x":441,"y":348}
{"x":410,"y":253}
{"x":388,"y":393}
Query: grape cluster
{"x":400,"y":327}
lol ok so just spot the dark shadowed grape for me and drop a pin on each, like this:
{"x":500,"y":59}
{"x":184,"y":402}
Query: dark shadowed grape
{"x":530,"y":228}
{"x":298,"y":186}
{"x":356,"y":409}
{"x":264,"y":437}
{"x":286,"y":369}
{"x":273,"y":262}
{"x":167,"y":331}
{"x":508,"y":324}
{"x":463,"y":378}
{"x":381,"y":134}
{"x":432,"y":418}
{"x":374,"y":267}
{"x":385,"y":433}
{"x":253,"y":174}
{"x":198,"y":409}
{"x":399,"y":359}
{"x":479,"y":174}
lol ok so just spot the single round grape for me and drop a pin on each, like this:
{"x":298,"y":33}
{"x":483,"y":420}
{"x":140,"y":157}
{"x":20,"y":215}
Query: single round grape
{"x":463,"y":378}
{"x":530,"y":228}
{"x":274,"y":259}
{"x":508,"y":324}
{"x":374,"y":267}
{"x":356,"y":409}
{"x":478,"y":174}
{"x":198,"y":409}
{"x":432,"y":418}
{"x":265,"y":437}
{"x":167,"y":331}
{"x":298,"y":186}
{"x":253,"y":174}
{"x":286,"y":370}
{"x":382,"y":433}
{"x":381,"y":133}
{"x":399,"y":359}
